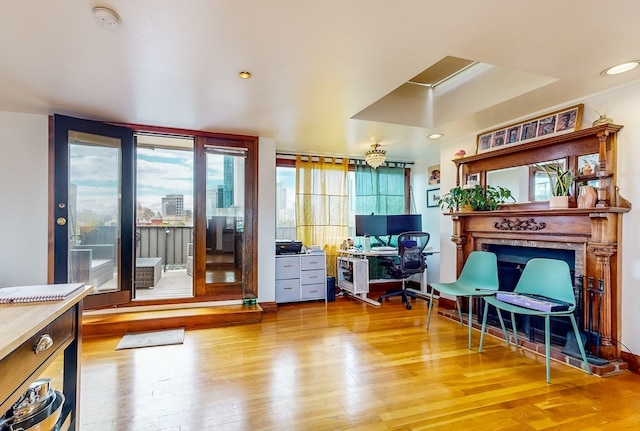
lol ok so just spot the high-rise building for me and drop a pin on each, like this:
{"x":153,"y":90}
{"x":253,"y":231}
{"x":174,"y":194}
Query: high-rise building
{"x":172,"y":205}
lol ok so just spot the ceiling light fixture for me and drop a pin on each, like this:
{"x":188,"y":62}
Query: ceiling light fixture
{"x":375,"y":157}
{"x":435,"y":136}
{"x":106,"y":19}
{"x":620,"y":68}
{"x":245,"y":74}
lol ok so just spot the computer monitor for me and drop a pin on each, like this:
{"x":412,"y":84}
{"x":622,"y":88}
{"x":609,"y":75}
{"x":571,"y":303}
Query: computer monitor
{"x":396,"y":224}
{"x":371,"y":225}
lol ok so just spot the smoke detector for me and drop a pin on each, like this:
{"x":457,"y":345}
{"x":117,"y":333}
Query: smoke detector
{"x":106,"y":18}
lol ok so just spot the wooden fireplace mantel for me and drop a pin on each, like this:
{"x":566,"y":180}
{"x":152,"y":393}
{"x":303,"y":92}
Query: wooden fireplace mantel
{"x":593,"y":233}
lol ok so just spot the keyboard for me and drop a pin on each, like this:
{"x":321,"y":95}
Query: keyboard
{"x":383,"y":248}
{"x":533,"y":302}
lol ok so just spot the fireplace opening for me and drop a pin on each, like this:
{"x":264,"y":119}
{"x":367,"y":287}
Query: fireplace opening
{"x":511,"y":263}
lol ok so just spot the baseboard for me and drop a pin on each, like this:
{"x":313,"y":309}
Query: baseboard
{"x":632,"y":360}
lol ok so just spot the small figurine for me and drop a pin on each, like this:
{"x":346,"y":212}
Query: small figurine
{"x":459,"y":153}
{"x":587,"y":169}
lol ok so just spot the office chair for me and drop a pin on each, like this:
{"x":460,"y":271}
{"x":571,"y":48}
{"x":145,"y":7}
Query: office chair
{"x":479,"y":277}
{"x":548,"y":278}
{"x":411,"y":260}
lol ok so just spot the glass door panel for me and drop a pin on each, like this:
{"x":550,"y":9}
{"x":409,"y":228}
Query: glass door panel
{"x":94,"y":210}
{"x":225,"y":197}
{"x":164,"y":218}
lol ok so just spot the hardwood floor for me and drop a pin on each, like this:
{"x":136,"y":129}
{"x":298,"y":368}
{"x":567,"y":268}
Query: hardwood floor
{"x":342,"y":366}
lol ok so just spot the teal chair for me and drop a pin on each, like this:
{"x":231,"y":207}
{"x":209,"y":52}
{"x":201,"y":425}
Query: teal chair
{"x":479,"y":278}
{"x":549,"y":278}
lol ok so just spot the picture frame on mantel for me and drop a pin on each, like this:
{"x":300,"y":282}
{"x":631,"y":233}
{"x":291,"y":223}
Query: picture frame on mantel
{"x":554,"y":123}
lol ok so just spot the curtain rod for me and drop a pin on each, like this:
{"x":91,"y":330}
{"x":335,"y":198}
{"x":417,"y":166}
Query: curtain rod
{"x":291,"y":156}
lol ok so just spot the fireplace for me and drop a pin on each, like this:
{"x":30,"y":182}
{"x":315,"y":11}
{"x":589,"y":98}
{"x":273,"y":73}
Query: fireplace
{"x":511,"y":262}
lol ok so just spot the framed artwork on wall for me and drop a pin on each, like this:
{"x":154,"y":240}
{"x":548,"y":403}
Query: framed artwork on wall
{"x":434,"y":174}
{"x":555,"y":123}
{"x":433,"y":196}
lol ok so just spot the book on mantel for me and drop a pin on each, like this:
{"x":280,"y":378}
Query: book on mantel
{"x":37,"y":293}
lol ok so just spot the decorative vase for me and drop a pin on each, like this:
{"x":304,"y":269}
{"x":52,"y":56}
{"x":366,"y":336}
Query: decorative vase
{"x":587,"y":197}
{"x":559,"y":202}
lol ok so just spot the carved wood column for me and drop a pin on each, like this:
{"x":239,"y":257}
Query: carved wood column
{"x":603,"y":304}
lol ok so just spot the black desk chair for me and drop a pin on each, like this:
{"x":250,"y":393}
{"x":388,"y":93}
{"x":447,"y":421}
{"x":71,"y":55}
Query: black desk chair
{"x":411,"y":260}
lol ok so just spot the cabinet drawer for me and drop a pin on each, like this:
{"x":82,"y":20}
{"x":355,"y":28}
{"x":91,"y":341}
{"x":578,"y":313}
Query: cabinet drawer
{"x":287,"y":290}
{"x":312,"y":277}
{"x":313,"y":291}
{"x":18,"y":366}
{"x":287,"y":267}
{"x":313,"y":261}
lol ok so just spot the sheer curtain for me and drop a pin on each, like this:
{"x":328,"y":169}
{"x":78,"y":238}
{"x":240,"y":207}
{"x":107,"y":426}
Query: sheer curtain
{"x":379,"y":191}
{"x":322,"y":205}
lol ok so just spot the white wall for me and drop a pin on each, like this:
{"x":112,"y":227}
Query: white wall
{"x":23,"y":198}
{"x":266,"y":220}
{"x":623,"y":106}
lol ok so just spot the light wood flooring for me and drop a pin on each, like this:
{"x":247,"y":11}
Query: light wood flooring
{"x":343,"y":365}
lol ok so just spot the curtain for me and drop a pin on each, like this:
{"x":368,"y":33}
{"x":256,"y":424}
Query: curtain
{"x":379,"y":191}
{"x":322,"y":205}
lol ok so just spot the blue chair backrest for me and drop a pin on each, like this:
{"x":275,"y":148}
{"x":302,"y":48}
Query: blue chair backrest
{"x":480,"y":271}
{"x":547,"y":277}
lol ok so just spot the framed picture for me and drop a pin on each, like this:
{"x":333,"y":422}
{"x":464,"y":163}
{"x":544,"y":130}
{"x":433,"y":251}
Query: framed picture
{"x":434,"y":174}
{"x":433,"y":196}
{"x":555,"y":123}
{"x":473,"y":179}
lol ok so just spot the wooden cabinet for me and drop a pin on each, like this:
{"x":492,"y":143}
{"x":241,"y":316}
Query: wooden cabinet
{"x":301,"y":277}
{"x":22,"y":327}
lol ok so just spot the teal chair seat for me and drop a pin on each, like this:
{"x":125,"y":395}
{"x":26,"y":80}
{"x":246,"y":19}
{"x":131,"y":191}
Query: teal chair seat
{"x":479,"y":278}
{"x":549,"y":278}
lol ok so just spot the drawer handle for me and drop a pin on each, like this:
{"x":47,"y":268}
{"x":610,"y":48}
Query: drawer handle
{"x":44,"y":343}
{"x":287,"y":266}
{"x":313,"y":276}
{"x":313,"y":291}
{"x":288,"y":288}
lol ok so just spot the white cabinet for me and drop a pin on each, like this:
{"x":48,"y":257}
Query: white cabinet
{"x":301,"y":277}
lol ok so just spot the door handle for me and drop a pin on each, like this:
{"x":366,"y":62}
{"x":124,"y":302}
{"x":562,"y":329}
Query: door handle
{"x":61,"y":221}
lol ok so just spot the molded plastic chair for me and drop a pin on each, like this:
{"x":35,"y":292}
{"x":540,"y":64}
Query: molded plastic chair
{"x":549,"y":278}
{"x":412,"y":260}
{"x":479,"y":277}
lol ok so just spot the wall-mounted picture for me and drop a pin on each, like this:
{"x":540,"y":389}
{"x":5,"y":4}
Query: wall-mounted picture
{"x":559,"y":122}
{"x":433,"y":196}
{"x":434,"y":174}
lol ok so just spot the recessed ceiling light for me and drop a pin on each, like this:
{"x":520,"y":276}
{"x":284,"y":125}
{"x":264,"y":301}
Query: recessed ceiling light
{"x":435,"y":136}
{"x":106,"y":18}
{"x":621,"y":68}
{"x":245,"y":74}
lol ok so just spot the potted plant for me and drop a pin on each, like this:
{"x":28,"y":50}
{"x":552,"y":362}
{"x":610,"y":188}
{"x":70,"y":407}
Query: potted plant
{"x":476,"y":198}
{"x":560,"y":180}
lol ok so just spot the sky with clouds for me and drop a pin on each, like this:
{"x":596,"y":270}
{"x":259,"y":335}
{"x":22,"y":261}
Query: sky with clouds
{"x":93,"y":171}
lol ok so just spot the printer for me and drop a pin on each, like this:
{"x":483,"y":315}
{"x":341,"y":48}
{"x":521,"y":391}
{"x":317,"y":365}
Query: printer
{"x":288,"y":246}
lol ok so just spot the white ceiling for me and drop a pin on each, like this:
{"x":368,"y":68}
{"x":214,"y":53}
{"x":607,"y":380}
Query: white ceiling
{"x":321,"y":69}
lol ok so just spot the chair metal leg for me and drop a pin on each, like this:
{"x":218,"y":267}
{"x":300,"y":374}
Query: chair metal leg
{"x":470,"y":310}
{"x":484,"y":325}
{"x":430,"y":307}
{"x":504,"y":328}
{"x":515,"y":331}
{"x":547,"y":346}
{"x":580,"y":346}
{"x":459,"y":310}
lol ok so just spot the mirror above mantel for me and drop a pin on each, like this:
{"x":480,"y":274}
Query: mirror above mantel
{"x":589,"y":153}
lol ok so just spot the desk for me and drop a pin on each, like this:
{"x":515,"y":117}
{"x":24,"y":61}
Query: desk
{"x":354,"y":264}
{"x":21,"y":327}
